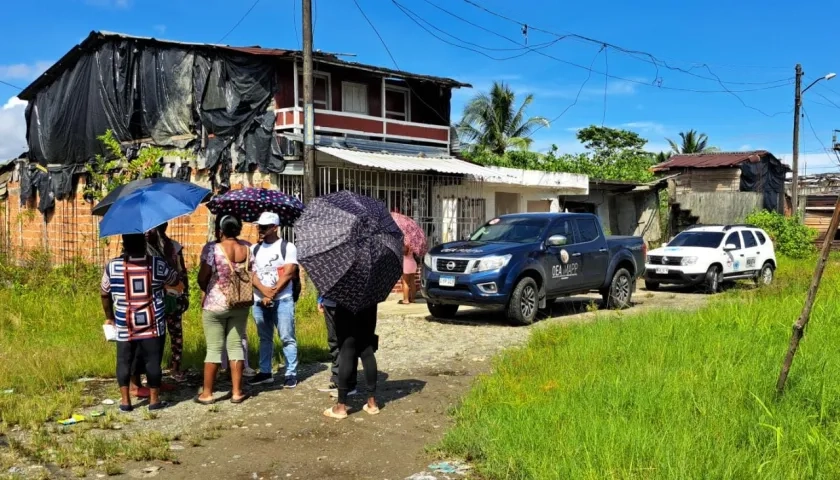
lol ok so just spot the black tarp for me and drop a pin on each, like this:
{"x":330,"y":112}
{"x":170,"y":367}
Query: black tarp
{"x":258,"y":147}
{"x":767,"y":177}
{"x":141,"y":90}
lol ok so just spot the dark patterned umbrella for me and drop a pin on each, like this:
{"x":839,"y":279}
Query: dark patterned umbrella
{"x":351,"y":249}
{"x":249,"y":203}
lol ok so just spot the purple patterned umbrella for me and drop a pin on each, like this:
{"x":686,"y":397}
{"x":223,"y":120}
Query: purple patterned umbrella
{"x":351,"y":249}
{"x":249,"y":203}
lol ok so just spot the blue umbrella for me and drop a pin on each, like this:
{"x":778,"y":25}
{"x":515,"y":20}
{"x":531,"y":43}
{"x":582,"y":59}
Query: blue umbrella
{"x":149,"y":207}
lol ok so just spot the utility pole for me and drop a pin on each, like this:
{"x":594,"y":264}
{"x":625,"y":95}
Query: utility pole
{"x":797,"y":105}
{"x":309,"y":172}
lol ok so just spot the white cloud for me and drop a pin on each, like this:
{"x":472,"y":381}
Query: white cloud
{"x":813,"y":163}
{"x":745,"y":147}
{"x":161,"y":29}
{"x":645,"y":127}
{"x":12,"y":128}
{"x":23,"y":71}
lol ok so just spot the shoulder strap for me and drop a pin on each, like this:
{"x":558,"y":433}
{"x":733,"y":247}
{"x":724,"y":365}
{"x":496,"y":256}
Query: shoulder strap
{"x":257,"y":249}
{"x":283,"y":249}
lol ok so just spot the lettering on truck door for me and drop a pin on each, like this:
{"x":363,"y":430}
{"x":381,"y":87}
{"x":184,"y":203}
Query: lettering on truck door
{"x":562,"y":264}
{"x":751,"y":251}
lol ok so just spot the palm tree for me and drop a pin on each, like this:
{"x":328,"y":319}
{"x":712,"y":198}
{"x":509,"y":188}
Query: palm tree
{"x":662,"y":157}
{"x":692,"y":142}
{"x":492,"y":122}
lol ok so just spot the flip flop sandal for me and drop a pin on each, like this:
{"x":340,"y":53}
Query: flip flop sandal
{"x":371,"y":411}
{"x":240,"y":399}
{"x":199,"y":401}
{"x":126,"y":408}
{"x":158,"y":406}
{"x":338,"y":416}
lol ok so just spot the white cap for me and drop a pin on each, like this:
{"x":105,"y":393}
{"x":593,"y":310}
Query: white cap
{"x":269,"y":218}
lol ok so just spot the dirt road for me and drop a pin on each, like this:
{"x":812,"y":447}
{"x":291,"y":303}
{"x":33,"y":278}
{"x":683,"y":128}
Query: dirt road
{"x":426,"y":366}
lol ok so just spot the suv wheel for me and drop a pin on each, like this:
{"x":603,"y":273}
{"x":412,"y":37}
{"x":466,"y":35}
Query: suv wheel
{"x":524,"y":302}
{"x":765,"y":275}
{"x":713,"y":279}
{"x":652,"y":286}
{"x":621,"y":290}
{"x":443,"y":311}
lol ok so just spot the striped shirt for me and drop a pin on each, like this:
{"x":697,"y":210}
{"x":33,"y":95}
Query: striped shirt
{"x":139,"y":311}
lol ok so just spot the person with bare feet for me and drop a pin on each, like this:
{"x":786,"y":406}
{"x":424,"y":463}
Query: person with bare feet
{"x":357,"y":338}
{"x":225,"y":278}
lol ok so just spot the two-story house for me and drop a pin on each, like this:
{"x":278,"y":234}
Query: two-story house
{"x":232,"y":116}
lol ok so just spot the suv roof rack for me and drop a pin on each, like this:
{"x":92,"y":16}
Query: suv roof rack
{"x":725,"y":227}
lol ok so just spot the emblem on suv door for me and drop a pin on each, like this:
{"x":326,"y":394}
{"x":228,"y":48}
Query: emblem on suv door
{"x":450,"y":266}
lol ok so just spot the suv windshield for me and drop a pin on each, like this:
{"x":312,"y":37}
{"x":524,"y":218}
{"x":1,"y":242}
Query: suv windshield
{"x":697,"y":239}
{"x":511,"y":230}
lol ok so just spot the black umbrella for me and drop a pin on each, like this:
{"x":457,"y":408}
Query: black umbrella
{"x":123,"y":190}
{"x":351,"y":249}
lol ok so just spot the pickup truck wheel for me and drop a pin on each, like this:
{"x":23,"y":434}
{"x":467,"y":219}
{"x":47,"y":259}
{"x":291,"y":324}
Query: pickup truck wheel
{"x":524,"y":302}
{"x":766,"y":275}
{"x":652,"y":286}
{"x":713,"y":279}
{"x":446,"y":312}
{"x":621,"y":289}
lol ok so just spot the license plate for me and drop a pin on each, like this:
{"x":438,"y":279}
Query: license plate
{"x":447,"y":281}
{"x":662,"y":271}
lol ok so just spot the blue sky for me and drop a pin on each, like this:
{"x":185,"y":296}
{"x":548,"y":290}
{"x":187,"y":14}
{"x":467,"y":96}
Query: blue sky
{"x":748,"y":44}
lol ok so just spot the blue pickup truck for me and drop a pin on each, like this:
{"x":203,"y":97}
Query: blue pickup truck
{"x":520,"y":263}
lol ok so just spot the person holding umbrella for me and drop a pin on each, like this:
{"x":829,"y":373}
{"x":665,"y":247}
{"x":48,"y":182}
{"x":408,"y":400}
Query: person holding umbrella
{"x":415,"y":246}
{"x":352,"y":250}
{"x":132,"y":298}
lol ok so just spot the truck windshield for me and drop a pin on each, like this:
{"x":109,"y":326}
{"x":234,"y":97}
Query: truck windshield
{"x":697,"y":239}
{"x":511,"y":230}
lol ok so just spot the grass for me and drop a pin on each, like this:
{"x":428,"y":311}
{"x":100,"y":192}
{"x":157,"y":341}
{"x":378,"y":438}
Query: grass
{"x":666,"y":395}
{"x":51,"y":335}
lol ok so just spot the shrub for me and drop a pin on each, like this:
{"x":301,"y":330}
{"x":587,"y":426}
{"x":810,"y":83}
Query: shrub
{"x":791,"y":238}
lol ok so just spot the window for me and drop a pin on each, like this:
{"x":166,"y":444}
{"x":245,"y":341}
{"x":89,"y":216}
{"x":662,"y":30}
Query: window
{"x":697,"y":239}
{"x":511,"y":230}
{"x":588,"y":230}
{"x":761,"y":238}
{"x":733,"y":239}
{"x":354,"y":98}
{"x":320,"y":91}
{"x":749,"y":239}
{"x":563,"y":227}
{"x":396,"y":103}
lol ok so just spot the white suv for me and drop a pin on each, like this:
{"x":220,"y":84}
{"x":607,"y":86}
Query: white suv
{"x":712,"y":254}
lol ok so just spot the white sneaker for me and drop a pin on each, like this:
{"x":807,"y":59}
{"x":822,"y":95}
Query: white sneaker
{"x":351,"y":393}
{"x":249,"y":372}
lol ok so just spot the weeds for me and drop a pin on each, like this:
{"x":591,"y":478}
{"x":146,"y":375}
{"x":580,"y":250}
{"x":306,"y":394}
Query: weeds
{"x":666,"y":394}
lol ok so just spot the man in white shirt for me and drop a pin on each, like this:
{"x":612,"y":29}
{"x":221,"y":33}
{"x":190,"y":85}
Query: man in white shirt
{"x":275,"y":272}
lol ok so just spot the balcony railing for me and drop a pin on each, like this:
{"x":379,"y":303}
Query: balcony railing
{"x":331,"y":121}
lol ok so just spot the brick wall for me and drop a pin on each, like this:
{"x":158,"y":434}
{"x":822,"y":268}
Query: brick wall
{"x":70,"y":231}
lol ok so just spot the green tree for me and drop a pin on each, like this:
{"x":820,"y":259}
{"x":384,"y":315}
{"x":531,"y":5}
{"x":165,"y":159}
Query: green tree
{"x":692,"y":142}
{"x":607,"y":142}
{"x":663,"y":157}
{"x":492,"y":122}
{"x":115,"y":169}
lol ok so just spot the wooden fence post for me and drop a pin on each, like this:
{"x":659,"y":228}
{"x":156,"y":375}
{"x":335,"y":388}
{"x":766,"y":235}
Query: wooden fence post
{"x":799,"y":326}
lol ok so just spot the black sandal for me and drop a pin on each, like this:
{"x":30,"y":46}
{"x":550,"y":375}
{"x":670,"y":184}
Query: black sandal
{"x":199,"y":401}
{"x":158,"y":406}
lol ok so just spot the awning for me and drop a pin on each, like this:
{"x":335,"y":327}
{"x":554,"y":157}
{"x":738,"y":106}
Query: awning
{"x":409,"y":163}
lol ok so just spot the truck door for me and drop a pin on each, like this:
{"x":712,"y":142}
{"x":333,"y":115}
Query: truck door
{"x":596,"y":255}
{"x":752,"y":252}
{"x":563,"y":264}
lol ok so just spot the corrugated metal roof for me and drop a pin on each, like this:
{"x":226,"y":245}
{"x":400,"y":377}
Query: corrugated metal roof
{"x":569,"y":183}
{"x":712,"y":160}
{"x":408,"y":163}
{"x":96,"y":39}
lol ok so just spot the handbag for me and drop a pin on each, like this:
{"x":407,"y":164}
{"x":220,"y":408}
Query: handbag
{"x":239,"y":291}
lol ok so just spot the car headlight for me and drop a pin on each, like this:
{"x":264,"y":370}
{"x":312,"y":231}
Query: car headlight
{"x":491,"y":263}
{"x":427,"y":260}
{"x":688,"y":261}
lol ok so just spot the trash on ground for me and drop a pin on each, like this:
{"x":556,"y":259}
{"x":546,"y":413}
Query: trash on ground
{"x":108,"y":401}
{"x":458,"y":468}
{"x":9,"y":391}
{"x":76,"y":418}
{"x":97,"y":414}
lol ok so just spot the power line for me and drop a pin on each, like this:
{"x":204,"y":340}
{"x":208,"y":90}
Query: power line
{"x":656,"y":84}
{"x":606,"y":84}
{"x":634,"y":53}
{"x":827,"y":99}
{"x":808,"y":118}
{"x":10,"y":85}
{"x":298,"y":36}
{"x":239,"y":22}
